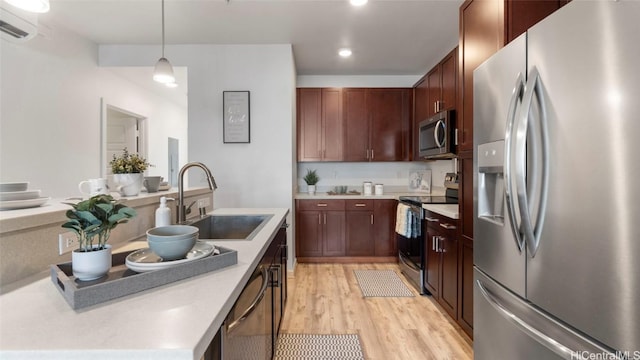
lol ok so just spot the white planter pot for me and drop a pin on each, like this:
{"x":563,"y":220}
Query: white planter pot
{"x":129,"y":184}
{"x":91,"y":265}
{"x":311,"y":189}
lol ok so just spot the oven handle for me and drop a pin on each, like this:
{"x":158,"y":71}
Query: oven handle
{"x":408,"y":263}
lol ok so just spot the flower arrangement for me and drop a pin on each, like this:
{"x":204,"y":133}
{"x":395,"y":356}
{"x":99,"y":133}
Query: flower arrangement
{"x":96,"y":216}
{"x":128,"y":163}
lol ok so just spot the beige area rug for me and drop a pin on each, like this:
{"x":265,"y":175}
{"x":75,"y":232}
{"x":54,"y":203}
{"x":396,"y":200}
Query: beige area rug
{"x":381,"y":283}
{"x":318,"y":347}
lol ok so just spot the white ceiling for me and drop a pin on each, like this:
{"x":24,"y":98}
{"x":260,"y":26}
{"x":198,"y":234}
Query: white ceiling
{"x":388,"y":37}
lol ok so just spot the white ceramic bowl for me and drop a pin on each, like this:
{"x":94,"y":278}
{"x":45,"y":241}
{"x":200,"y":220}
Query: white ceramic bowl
{"x":15,"y":186}
{"x":172,"y":232}
{"x":172,"y":250}
{"x":19,"y":195}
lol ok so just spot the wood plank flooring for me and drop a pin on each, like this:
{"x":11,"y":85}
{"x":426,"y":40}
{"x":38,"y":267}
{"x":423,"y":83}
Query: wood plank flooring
{"x":326,"y":299}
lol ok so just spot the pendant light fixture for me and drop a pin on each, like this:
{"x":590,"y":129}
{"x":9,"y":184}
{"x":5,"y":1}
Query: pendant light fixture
{"x":36,"y":6}
{"x":163,"y":72}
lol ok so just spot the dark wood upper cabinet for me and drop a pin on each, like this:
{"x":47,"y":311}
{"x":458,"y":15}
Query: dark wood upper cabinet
{"x":319,"y":124}
{"x":377,"y":124}
{"x":485,"y":27}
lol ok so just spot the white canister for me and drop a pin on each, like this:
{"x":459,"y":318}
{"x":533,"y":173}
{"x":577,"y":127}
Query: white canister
{"x":367,"y":188}
{"x":379,"y":189}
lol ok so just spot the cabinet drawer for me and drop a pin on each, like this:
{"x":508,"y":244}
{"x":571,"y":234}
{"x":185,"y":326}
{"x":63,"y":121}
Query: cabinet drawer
{"x":359,"y":205}
{"x":320,"y":204}
{"x":440,"y":222}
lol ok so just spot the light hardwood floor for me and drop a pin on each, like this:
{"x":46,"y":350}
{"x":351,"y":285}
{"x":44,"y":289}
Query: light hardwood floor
{"x":326,"y":299}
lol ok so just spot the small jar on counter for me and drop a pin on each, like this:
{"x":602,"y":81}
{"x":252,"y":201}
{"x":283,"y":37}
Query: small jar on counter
{"x":379,"y":189}
{"x":367,"y":188}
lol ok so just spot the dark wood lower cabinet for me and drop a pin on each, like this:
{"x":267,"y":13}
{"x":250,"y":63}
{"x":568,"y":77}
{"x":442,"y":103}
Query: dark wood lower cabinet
{"x":465,"y":285}
{"x":441,"y":275}
{"x":346,"y":230}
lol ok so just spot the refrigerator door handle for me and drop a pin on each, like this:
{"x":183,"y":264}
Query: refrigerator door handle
{"x":531,"y":331}
{"x":538,"y":151}
{"x":518,"y":91}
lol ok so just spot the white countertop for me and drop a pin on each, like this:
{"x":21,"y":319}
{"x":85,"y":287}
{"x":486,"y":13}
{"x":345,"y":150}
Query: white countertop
{"x":448,"y":210}
{"x":174,"y":321}
{"x":325,"y":196}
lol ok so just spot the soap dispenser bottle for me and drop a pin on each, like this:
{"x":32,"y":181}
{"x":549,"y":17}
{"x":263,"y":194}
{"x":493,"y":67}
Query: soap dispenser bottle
{"x":163,"y":213}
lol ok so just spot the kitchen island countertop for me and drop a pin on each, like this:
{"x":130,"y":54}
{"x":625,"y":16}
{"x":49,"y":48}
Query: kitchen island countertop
{"x":174,"y":321}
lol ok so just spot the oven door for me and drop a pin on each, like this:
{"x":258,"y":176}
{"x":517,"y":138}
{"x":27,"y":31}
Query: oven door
{"x":411,"y":255}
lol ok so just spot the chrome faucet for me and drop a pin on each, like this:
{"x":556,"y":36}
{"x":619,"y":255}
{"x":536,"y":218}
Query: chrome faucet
{"x":182,"y":213}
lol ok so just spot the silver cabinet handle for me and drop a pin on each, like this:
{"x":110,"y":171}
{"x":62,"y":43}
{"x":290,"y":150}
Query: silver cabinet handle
{"x":448,"y":226}
{"x":321,"y":205}
{"x":518,"y":91}
{"x":371,"y":219}
{"x":319,"y":219}
{"x":431,"y":219}
{"x":325,"y":218}
{"x":433,"y":243}
{"x":537,"y":190}
{"x":360,"y":205}
{"x":437,"y":239}
{"x":435,"y":107}
{"x":372,"y":154}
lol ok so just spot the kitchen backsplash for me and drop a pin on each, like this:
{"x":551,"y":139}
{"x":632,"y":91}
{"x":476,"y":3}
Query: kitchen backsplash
{"x":393,"y":175}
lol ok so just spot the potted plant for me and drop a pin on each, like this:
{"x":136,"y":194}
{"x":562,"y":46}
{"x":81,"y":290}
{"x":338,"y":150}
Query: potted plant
{"x":127,"y":172}
{"x":91,"y":219}
{"x":311,"y":179}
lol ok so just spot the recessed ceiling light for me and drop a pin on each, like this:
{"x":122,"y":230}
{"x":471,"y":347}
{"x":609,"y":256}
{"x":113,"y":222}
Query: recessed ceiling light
{"x":358,"y":2}
{"x":344,"y":52}
{"x":36,"y":6}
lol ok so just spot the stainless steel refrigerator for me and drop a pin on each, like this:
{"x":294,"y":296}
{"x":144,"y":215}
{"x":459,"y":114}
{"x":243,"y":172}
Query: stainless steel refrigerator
{"x":557,"y":189}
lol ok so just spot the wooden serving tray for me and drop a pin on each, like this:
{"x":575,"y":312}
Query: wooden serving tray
{"x":121,"y":281}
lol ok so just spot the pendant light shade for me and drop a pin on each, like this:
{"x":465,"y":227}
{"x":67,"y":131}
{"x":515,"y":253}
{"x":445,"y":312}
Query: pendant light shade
{"x":163,"y":72}
{"x":36,"y":6}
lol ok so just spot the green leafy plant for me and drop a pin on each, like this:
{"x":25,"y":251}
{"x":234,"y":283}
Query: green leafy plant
{"x":96,"y":216}
{"x":128,"y":163}
{"x":311,"y":178}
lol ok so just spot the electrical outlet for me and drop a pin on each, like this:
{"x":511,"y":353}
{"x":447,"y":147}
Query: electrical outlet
{"x":204,"y":202}
{"x":67,"y":242}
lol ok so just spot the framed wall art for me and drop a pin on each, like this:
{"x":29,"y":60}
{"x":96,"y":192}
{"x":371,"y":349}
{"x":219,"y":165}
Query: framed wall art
{"x":236,"y":117}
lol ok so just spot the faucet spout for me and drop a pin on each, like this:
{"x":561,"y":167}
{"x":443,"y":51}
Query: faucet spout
{"x":182,"y":216}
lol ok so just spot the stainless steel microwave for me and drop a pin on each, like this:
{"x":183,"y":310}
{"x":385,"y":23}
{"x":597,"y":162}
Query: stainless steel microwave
{"x":437,"y":136}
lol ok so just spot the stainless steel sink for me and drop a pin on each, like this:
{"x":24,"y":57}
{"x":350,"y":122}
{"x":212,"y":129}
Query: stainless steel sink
{"x":230,"y":227}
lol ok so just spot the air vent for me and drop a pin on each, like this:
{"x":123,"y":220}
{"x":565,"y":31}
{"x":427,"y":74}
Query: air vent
{"x":17,"y":25}
{"x":7,"y":28}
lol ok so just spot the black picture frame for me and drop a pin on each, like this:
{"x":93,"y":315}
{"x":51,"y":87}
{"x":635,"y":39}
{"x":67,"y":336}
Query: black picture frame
{"x":236,"y":117}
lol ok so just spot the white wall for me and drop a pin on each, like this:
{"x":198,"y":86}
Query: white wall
{"x":50,"y":112}
{"x":258,"y":174}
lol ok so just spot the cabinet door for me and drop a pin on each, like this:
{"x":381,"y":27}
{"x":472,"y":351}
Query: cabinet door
{"x":434,"y":78}
{"x":356,"y":125}
{"x":420,"y":110}
{"x":390,"y":120}
{"x":360,"y":241}
{"x":332,"y":124}
{"x":523,"y":14}
{"x":384,"y":221}
{"x":449,"y":272}
{"x":309,"y":110}
{"x":449,"y":66}
{"x":481,"y":35}
{"x":309,"y":225}
{"x":465,"y":286}
{"x":334,"y":231}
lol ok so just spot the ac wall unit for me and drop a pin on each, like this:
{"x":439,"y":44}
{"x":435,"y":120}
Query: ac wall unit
{"x":17,"y":25}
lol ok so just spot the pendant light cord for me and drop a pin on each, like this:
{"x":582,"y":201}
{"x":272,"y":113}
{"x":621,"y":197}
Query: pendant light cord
{"x":162,"y":28}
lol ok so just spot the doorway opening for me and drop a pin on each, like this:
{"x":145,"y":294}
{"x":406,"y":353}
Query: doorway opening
{"x":121,"y":129}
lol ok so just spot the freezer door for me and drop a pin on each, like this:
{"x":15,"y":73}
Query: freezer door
{"x":586,"y":270}
{"x":498,"y":86}
{"x":507,"y":327}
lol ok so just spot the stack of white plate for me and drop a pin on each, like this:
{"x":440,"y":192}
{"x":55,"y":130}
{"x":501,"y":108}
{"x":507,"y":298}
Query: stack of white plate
{"x":16,"y":196}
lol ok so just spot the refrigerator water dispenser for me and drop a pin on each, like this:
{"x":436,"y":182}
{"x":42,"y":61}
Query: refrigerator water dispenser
{"x":491,"y":182}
